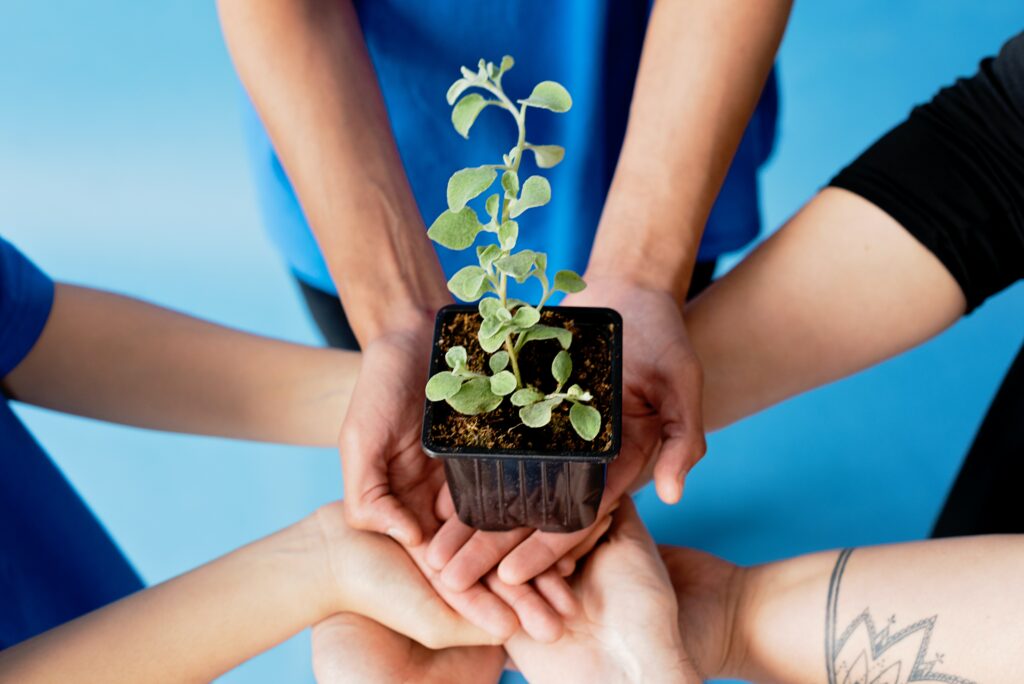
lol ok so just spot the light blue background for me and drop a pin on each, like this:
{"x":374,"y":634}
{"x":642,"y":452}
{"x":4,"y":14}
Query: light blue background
{"x":122,"y":166}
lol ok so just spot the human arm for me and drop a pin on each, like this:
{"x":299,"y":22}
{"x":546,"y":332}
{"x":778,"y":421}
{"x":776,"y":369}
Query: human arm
{"x":305,"y":66}
{"x":119,"y":359}
{"x":943,"y":610}
{"x":199,"y":625}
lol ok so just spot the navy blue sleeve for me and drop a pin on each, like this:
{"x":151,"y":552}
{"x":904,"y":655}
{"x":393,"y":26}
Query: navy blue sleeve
{"x":26,"y":296}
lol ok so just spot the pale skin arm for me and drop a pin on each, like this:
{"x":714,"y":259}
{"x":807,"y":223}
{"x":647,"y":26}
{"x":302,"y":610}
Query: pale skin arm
{"x":305,"y":65}
{"x":119,"y":359}
{"x":199,"y":625}
{"x":952,"y":603}
{"x":841,"y":287}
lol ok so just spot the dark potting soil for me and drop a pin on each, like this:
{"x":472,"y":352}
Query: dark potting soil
{"x":591,"y":351}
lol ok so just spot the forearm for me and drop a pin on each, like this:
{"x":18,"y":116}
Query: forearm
{"x":703,"y":67}
{"x":192,"y":628}
{"x":115,"y":358}
{"x":305,"y":66}
{"x":949,"y":605}
{"x":841,"y":287}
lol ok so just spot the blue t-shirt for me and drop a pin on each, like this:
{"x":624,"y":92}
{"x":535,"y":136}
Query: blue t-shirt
{"x":56,"y":560}
{"x":591,"y":47}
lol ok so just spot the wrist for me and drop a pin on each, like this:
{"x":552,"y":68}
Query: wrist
{"x":319,"y":584}
{"x":746,"y":590}
{"x":641,"y":267}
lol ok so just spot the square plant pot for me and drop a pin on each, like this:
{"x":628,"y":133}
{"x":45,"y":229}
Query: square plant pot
{"x":503,"y":474}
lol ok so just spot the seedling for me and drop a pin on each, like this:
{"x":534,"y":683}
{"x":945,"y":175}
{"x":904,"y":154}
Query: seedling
{"x":506,"y":324}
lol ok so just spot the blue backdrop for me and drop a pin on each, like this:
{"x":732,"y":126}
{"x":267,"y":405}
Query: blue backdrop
{"x":122,"y":166}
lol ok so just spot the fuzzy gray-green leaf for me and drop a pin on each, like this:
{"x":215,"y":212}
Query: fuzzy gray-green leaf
{"x":569,"y":281}
{"x":492,"y":206}
{"x":548,"y":332}
{"x":455,"y":357}
{"x":549,"y":95}
{"x":498,"y":361}
{"x":525,"y":317}
{"x":487,"y":255}
{"x":465,"y":112}
{"x":487,"y":306}
{"x":443,"y":385}
{"x":503,"y":383}
{"x":561,"y":367}
{"x":510,"y":182}
{"x":475,"y":396}
{"x":506,"y":63}
{"x":455,"y":230}
{"x":526,"y":396}
{"x":491,"y":343}
{"x":457,"y":89}
{"x":466,"y":184}
{"x":517,"y":265}
{"x":547,"y":156}
{"x":508,"y":233}
{"x":469,"y":283}
{"x":538,"y":414}
{"x":536,"y":192}
{"x":586,"y":420}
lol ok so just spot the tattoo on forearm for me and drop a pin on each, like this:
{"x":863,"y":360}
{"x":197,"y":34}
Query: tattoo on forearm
{"x":863,"y":654}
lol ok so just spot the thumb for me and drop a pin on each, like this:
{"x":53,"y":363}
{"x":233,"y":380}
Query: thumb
{"x":678,"y":400}
{"x":370,"y":503}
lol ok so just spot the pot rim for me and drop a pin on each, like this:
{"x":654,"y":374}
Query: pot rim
{"x":438,"y":451}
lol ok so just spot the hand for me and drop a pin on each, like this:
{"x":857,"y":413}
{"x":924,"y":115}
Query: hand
{"x":627,"y":626}
{"x":661,"y":427}
{"x":708,"y":590}
{"x":391,"y":485}
{"x":352,"y":648}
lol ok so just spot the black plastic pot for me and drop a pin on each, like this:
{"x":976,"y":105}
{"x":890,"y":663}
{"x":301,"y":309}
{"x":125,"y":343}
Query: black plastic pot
{"x":555,"y":490}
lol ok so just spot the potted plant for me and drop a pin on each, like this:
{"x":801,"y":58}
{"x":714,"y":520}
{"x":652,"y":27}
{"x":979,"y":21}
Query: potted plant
{"x":523,"y":401}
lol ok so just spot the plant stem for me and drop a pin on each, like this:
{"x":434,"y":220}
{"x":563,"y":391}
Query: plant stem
{"x":512,"y":359}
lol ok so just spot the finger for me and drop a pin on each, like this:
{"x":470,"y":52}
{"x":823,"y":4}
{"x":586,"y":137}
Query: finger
{"x":369,"y":503}
{"x":538,"y":553}
{"x":538,"y":619}
{"x":556,"y":591}
{"x":444,"y":507}
{"x":678,"y":401}
{"x":452,"y":536}
{"x":566,"y":566}
{"x":479,"y":606}
{"x":479,"y":555}
{"x":599,"y":529}
{"x":627,"y":524}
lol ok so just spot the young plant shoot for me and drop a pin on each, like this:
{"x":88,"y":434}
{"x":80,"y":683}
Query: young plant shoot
{"x":506,"y":324}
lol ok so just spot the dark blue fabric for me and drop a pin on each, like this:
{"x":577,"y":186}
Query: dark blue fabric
{"x":56,"y":560}
{"x":591,"y":47}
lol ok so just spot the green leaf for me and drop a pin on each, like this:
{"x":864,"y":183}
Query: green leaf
{"x":569,"y":281}
{"x":586,"y":420}
{"x":561,"y":367}
{"x":503,"y":382}
{"x":525,"y":317}
{"x":526,"y":396}
{"x":578,"y":393}
{"x":510,"y":182}
{"x":536,"y":192}
{"x":466,"y":184}
{"x":547,"y":156}
{"x":465,"y":112}
{"x":487,"y":255}
{"x":503,"y":314}
{"x":469,"y":283}
{"x":498,"y":361}
{"x":456,"y":357}
{"x":457,"y":89}
{"x":508,"y":233}
{"x":475,"y":396}
{"x":491,"y":343}
{"x":443,"y":385}
{"x":488,"y":306}
{"x":549,"y":95}
{"x":490,"y":327}
{"x":538,"y":414}
{"x":455,"y":230}
{"x":517,"y":265}
{"x":506,"y":63}
{"x":548,"y":332}
{"x":492,"y":206}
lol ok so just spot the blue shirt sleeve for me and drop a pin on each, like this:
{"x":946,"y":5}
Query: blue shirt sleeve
{"x":26,"y":296}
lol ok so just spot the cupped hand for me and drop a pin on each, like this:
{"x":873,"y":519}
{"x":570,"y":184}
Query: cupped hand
{"x":352,"y":648}
{"x":662,"y":429}
{"x":626,"y":628}
{"x":391,"y":485}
